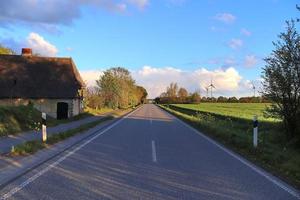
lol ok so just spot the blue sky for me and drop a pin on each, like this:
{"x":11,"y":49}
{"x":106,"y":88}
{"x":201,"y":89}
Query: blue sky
{"x":160,"y":41}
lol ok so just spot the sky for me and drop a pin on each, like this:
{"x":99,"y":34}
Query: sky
{"x":191,"y":42}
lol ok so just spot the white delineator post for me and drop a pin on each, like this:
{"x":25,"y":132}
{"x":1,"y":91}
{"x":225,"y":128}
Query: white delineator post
{"x":255,"y":131}
{"x":44,"y":127}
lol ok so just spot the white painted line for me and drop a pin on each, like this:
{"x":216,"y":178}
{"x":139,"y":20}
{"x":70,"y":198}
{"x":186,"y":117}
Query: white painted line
{"x":40,"y":173}
{"x":154,"y":158}
{"x":261,"y":172}
{"x":150,"y":117}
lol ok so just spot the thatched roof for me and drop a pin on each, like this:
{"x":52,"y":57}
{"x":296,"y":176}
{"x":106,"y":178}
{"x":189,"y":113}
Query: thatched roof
{"x":38,"y":77}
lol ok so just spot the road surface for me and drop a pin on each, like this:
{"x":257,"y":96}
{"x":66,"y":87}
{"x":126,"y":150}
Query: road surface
{"x":148,"y":155}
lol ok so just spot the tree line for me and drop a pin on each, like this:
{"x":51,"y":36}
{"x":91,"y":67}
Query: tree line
{"x":115,"y":89}
{"x":175,"y":94}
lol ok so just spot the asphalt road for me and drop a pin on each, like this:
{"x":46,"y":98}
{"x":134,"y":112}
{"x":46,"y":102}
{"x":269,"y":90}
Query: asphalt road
{"x":148,"y":155}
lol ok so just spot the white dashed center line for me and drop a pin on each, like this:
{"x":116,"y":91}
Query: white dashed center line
{"x":154,"y":158}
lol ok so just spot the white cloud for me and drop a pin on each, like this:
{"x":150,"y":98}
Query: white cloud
{"x":90,"y":76}
{"x":225,"y":17}
{"x":40,"y":45}
{"x":228,"y":82}
{"x":229,"y":62}
{"x":250,"y":61}
{"x":54,"y":12}
{"x":246,"y":32}
{"x":141,"y":4}
{"x":235,"y":43}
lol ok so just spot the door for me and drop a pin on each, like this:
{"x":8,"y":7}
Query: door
{"x":62,"y":110}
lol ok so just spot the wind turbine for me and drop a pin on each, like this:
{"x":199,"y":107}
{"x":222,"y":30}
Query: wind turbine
{"x":211,"y":86}
{"x":253,"y":87}
{"x":207,"y":88}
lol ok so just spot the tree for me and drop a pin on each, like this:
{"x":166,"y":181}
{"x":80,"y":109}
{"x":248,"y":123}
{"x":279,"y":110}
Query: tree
{"x":195,"y":97}
{"x":5,"y":50}
{"x":141,"y":94}
{"x":93,"y":99}
{"x":222,"y":99}
{"x":118,"y":89}
{"x":204,"y":99}
{"x":172,"y":91}
{"x":182,"y":95}
{"x":282,"y":80}
{"x":109,"y":87}
{"x":233,"y":100}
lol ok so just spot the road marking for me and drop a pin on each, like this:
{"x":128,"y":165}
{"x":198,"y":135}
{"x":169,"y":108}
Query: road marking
{"x":154,"y":158}
{"x":150,"y":116}
{"x":40,"y":173}
{"x":261,"y":172}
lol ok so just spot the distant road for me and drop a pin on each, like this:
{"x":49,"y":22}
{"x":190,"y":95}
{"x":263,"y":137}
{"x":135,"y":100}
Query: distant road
{"x":148,"y":155}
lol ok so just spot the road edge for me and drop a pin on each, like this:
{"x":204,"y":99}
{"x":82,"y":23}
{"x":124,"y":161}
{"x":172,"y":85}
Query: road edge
{"x":15,"y":172}
{"x":270,"y":177}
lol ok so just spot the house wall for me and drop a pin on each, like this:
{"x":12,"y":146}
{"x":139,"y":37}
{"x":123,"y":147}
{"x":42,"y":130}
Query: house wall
{"x":49,"y":106}
{"x":77,"y":107}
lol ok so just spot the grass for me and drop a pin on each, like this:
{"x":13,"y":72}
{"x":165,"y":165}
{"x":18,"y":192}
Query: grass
{"x":235,"y":132}
{"x":32,"y":147}
{"x":98,"y":111}
{"x":238,"y":110}
{"x":88,"y":112}
{"x":16,"y":119}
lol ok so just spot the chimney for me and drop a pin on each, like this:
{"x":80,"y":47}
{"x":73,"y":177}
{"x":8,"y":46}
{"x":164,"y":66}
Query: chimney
{"x":26,"y":52}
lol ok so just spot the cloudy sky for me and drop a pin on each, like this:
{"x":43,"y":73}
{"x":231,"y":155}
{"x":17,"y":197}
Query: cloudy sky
{"x":160,"y":41}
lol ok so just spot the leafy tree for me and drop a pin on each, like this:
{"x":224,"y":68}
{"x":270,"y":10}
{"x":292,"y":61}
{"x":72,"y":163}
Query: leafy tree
{"x":222,"y":99}
{"x":204,"y":99}
{"x":141,"y":94}
{"x":118,"y":90}
{"x":195,"y":98}
{"x":93,"y":99}
{"x":5,"y":50}
{"x":172,"y":91}
{"x":182,"y":95}
{"x":109,"y":86}
{"x":282,"y":80}
{"x":233,"y":100}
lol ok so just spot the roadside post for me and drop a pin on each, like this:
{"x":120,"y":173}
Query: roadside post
{"x":44,"y":127}
{"x":255,"y":131}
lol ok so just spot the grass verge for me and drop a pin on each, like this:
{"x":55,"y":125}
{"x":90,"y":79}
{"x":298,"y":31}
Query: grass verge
{"x":271,"y":154}
{"x":16,"y":119}
{"x":88,"y":112}
{"x":32,"y":147}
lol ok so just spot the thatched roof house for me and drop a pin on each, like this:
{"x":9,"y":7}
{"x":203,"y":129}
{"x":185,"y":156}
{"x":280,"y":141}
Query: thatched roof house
{"x":53,"y":85}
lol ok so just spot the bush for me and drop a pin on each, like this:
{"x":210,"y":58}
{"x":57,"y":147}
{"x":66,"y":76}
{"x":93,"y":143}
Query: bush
{"x":18,"y":119}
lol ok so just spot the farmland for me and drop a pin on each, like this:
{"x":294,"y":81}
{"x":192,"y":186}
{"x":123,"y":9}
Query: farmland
{"x":239,"y":110}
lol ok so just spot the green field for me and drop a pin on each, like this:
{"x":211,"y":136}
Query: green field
{"x":239,"y":110}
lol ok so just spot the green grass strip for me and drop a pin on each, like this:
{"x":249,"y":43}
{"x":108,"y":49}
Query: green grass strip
{"x":32,"y":147}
